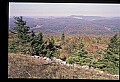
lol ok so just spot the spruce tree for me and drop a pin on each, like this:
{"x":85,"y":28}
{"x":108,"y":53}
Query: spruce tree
{"x":52,"y":48}
{"x":21,"y":29}
{"x":81,"y":51}
{"x":98,"y":39}
{"x":114,"y":45}
{"x":112,"y":55}
{"x":37,"y":43}
{"x":63,"y":38}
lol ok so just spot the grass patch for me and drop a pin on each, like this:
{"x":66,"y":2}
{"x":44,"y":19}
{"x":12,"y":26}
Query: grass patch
{"x":24,"y":66}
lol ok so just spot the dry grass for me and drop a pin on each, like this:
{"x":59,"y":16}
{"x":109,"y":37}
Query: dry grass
{"x":24,"y":66}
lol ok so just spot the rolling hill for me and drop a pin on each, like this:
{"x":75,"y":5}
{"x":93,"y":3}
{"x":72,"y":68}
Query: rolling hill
{"x":73,"y":25}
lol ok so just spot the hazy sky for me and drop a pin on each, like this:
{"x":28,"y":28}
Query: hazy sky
{"x":63,"y":9}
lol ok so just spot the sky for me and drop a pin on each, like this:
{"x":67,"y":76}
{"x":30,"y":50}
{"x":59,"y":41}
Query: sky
{"x":63,"y":9}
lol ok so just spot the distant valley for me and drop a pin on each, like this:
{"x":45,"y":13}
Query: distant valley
{"x":73,"y":25}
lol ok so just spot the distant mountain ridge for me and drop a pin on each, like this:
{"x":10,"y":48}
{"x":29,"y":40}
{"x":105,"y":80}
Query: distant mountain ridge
{"x":73,"y":25}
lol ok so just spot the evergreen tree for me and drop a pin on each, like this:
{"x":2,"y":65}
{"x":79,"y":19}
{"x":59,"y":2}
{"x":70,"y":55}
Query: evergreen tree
{"x":81,"y":56}
{"x":114,"y":45}
{"x":52,"y":48}
{"x":21,"y":29}
{"x":36,"y":43}
{"x":32,"y":34}
{"x":98,"y":39}
{"x":81,"y":51}
{"x":63,"y":38}
{"x":110,"y":61}
{"x":111,"y":57}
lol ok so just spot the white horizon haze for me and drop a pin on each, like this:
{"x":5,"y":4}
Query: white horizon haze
{"x":63,"y":9}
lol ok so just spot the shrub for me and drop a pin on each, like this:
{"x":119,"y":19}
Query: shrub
{"x":72,"y":60}
{"x":12,"y":47}
{"x":100,"y":51}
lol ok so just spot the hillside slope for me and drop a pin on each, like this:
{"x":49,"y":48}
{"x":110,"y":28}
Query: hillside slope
{"x":24,"y":66}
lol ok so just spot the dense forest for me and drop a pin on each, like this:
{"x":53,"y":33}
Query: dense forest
{"x":73,"y":25}
{"x":100,"y":52}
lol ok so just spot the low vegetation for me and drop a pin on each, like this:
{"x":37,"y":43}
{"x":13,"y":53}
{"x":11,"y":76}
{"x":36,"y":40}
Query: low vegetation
{"x":24,"y":66}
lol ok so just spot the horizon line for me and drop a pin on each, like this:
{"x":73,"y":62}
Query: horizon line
{"x":67,"y":16}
